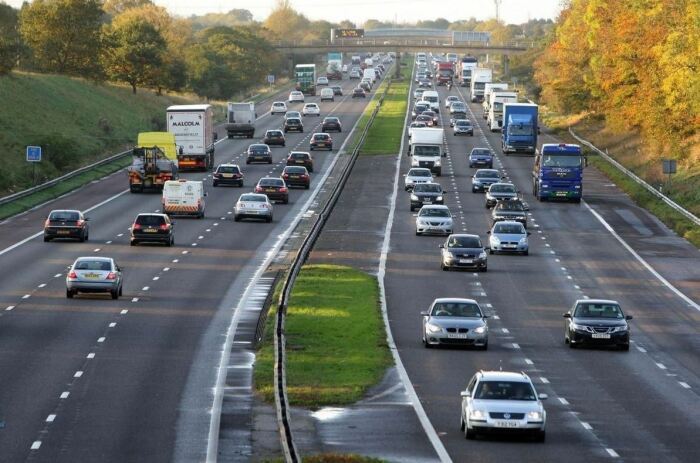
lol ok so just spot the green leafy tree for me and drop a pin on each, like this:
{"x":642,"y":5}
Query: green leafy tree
{"x":9,"y":38}
{"x":64,"y":35}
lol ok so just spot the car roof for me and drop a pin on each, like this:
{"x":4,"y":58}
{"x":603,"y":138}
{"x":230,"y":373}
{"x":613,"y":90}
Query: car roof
{"x":64,"y":210}
{"x":596,"y":301}
{"x":252,"y":194}
{"x":454,"y":299}
{"x":436,"y":206}
{"x":279,"y":103}
{"x":504,"y":376}
{"x":321,"y":133}
{"x":228,"y":164}
{"x":464,"y":235}
{"x":490,"y":171}
{"x":503,"y":183}
{"x":141,"y":214}
{"x":509,"y":222}
{"x":99,"y":259}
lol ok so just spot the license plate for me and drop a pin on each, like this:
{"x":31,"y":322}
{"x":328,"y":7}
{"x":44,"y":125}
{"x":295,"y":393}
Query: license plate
{"x":293,"y":176}
{"x":321,"y":144}
{"x":457,"y":336}
{"x":151,"y":230}
{"x":600,"y":336}
{"x":91,"y":276}
{"x":509,"y":246}
{"x":259,"y":157}
{"x":63,"y":232}
{"x":228,"y":175}
{"x":300,"y":162}
{"x":465,"y":261}
{"x":427,"y":202}
{"x":506,"y":424}
{"x":561,"y":193}
{"x":270,"y":190}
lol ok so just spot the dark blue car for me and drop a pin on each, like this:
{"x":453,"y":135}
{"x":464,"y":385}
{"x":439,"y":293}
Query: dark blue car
{"x":481,"y":157}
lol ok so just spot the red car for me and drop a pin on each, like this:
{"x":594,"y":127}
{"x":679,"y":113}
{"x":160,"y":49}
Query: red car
{"x":321,"y":140}
{"x":296,"y":176}
{"x":274,"y":188}
{"x":301,"y":158}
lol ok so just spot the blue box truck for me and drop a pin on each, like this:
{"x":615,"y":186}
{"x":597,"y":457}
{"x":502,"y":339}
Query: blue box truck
{"x":558,"y":172}
{"x":520,"y":129}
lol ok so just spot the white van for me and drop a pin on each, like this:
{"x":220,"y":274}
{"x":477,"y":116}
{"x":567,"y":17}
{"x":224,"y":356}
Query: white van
{"x":432,"y":97}
{"x":369,"y":73}
{"x":327,"y":94}
{"x":183,"y":197}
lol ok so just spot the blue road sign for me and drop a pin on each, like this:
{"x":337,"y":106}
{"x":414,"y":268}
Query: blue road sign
{"x":33,"y":153}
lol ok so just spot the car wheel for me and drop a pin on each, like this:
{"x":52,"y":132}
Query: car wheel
{"x":269,"y":219}
{"x":572,"y":345}
{"x":121,"y":290}
{"x":169,"y":243}
{"x":285,"y":201}
{"x":525,"y":253}
{"x":427,"y":345}
{"x":485,"y":346}
{"x":214,"y":184}
{"x":540,"y":436}
{"x":485,"y":269}
{"x":69,"y":293}
{"x":444,"y":267}
{"x":624,"y":347}
{"x":417,"y":233}
{"x":114,"y":294}
{"x":486,"y":206}
{"x":491,"y":251}
{"x":469,"y":433}
{"x":306,"y":187}
{"x":236,"y":218}
{"x":82,"y":238}
{"x":133,"y":243}
{"x":474,"y":190}
{"x":46,"y":239}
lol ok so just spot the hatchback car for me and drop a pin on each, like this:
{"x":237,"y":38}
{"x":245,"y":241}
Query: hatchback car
{"x":311,"y":109}
{"x":597,"y":322}
{"x":502,"y":401}
{"x":296,"y":96}
{"x":427,"y":120}
{"x":337,"y":90}
{"x":508,"y":236}
{"x":455,"y":321}
{"x":258,"y":152}
{"x":462,"y":127}
{"x":94,"y":275}
{"x":481,"y":157}
{"x":66,"y":223}
{"x":425,"y":82}
{"x":354,"y":74}
{"x":416,"y":175}
{"x":274,"y":188}
{"x":418,"y":108}
{"x":278,"y":107}
{"x":292,"y":114}
{"x":227,"y":174}
{"x":450,"y":99}
{"x":513,"y":209}
{"x":433,"y":115}
{"x":152,"y":228}
{"x":434,"y":220}
{"x":296,"y":176}
{"x":274,"y":137}
{"x":484,"y":178}
{"x":426,"y":193}
{"x":293,"y":124}
{"x":418,"y":93}
{"x":301,"y":158}
{"x":331,"y":124}
{"x":500,"y":192}
{"x":366,"y":86}
{"x":321,"y":140}
{"x":463,"y":251}
{"x":327,"y":94}
{"x":322,"y":81}
{"x":358,"y":92}
{"x":253,"y":206}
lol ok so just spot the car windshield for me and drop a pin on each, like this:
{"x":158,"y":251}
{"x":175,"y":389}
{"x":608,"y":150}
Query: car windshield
{"x":418,"y":124}
{"x":299,"y":155}
{"x":102,"y":265}
{"x":463,"y":124}
{"x":504,"y":390}
{"x":487,"y":174}
{"x":295,"y":170}
{"x":457,"y":105}
{"x":550,"y":160}
{"x":593,"y":310}
{"x":150,"y":220}
{"x":434,"y":212}
{"x":502,"y":189}
{"x":463,"y":242}
{"x":274,"y":133}
{"x":228,"y":169}
{"x":270,"y":182}
{"x":456,"y":309}
{"x":321,"y":137}
{"x":481,"y":152}
{"x":419,"y":173}
{"x":262,"y":148}
{"x":509,"y":229}
{"x":426,"y":150}
{"x":427,"y":188}
{"x":510,"y":206}
{"x":330,"y":119}
{"x":293,"y":121}
{"x":432,"y":99}
{"x":452,"y":98}
{"x":278,"y":104}
{"x":423,"y":117}
{"x":311,"y":106}
{"x":253,"y":198}
{"x":64,"y":215}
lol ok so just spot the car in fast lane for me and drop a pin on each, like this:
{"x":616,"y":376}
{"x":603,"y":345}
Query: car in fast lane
{"x":94,"y":275}
{"x":152,"y":228}
{"x":327,"y":94}
{"x":296,"y":96}
{"x":311,"y":109}
{"x":274,"y":188}
{"x":366,"y":86}
{"x":484,"y":178}
{"x":500,"y":192}
{"x":455,"y":322}
{"x":418,"y":108}
{"x":502,"y":401}
{"x":293,"y":124}
{"x":331,"y":124}
{"x":416,"y":175}
{"x":301,"y":158}
{"x":511,"y":209}
{"x":425,"y":119}
{"x":426,"y":193}
{"x":358,"y":92}
{"x":433,"y":220}
{"x":463,"y":250}
{"x":354,"y":74}
{"x":258,"y":152}
{"x":227,"y":174}
{"x":508,"y":236}
{"x":321,"y":140}
{"x":597,"y":322}
{"x":462,"y":127}
{"x":296,"y":176}
{"x":418,"y":93}
{"x":253,"y":206}
{"x":274,"y":137}
{"x":66,"y":223}
{"x":482,"y":157}
{"x":278,"y":107}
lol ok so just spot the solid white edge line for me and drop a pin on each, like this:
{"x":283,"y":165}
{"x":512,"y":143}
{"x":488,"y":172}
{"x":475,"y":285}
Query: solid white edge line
{"x":215,"y":421}
{"x":410,"y":391}
{"x":640,"y":259}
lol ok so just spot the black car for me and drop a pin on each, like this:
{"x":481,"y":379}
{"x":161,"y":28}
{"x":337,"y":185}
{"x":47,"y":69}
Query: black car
{"x":258,"y":152}
{"x":597,"y":322}
{"x":337,"y":90}
{"x":66,"y":223}
{"x":513,"y":209}
{"x":418,"y":108}
{"x":331,"y":124}
{"x":358,"y":92}
{"x":274,"y":188}
{"x":227,"y":174}
{"x":293,"y":124}
{"x":296,"y":176}
{"x":152,"y":228}
{"x":463,"y":251}
{"x":274,"y":137}
{"x":321,"y":140}
{"x":500,"y":192}
{"x":484,"y":178}
{"x":426,"y":193}
{"x":301,"y":158}
{"x":481,"y":157}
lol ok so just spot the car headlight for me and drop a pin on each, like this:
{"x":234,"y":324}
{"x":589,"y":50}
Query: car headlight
{"x":577,"y":327}
{"x":482,"y":255}
{"x":439,"y":198}
{"x":422,"y":222}
{"x":414,"y":197}
{"x":619,"y":329}
{"x":477,"y":415}
{"x":523,"y":240}
{"x":495,"y":241}
{"x":535,"y":416}
{"x":450,"y":255}
{"x":438,"y":162}
{"x":431,"y":328}
{"x":499,"y":217}
{"x":480,"y":330}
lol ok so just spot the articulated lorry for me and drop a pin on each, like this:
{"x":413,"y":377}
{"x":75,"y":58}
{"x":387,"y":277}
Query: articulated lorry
{"x":480,"y":77}
{"x":520,"y":128}
{"x":558,"y":172}
{"x":154,"y":162}
{"x":497,"y":98}
{"x":193,"y":128}
{"x":426,"y":147}
{"x":240,"y":119}
{"x":488,"y":89}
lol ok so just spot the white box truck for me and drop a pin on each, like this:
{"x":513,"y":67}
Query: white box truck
{"x":240,"y":119}
{"x":495,"y":116}
{"x":488,"y":88}
{"x":193,"y":127}
{"x":426,"y":148}
{"x":480,"y":77}
{"x":370,"y":74}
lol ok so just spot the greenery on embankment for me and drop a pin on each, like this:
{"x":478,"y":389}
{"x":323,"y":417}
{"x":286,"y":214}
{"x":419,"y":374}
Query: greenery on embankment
{"x":336,"y":343}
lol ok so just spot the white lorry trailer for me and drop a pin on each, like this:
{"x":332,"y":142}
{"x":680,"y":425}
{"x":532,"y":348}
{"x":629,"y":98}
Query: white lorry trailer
{"x":193,"y":127}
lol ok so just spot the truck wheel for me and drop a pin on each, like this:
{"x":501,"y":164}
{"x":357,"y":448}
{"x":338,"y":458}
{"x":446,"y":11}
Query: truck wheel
{"x":70,"y":293}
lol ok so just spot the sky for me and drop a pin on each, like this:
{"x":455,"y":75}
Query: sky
{"x":511,"y":11}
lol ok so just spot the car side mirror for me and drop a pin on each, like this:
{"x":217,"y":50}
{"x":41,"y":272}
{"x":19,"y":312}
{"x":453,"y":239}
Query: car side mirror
{"x":172,"y":222}
{"x":543,"y":396}
{"x":441,"y":246}
{"x":488,"y":232}
{"x":87,"y":219}
{"x":425,"y":313}
{"x":567,"y":315}
{"x":465,"y":394}
{"x":628,"y":317}
{"x":206,"y":194}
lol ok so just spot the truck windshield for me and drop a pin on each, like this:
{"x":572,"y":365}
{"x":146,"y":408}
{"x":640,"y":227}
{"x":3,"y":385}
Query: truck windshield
{"x":426,"y":151}
{"x":497,"y":106}
{"x":479,"y":85}
{"x":551,"y":160}
{"x":520,"y":129}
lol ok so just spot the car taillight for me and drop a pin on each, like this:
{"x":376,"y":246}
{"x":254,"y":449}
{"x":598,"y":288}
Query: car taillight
{"x":136,"y":226}
{"x":72,"y":275}
{"x":217,"y":175}
{"x":111,"y":276}
{"x":283,"y":190}
{"x":305,"y":176}
{"x":47,"y":223}
{"x":81,"y":223}
{"x":258,"y":189}
{"x":264,"y":206}
{"x":164,"y":226}
{"x":285,"y":176}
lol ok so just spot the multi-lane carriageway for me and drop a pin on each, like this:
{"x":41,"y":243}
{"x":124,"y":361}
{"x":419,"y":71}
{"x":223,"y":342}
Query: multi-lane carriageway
{"x":640,"y":405}
{"x":92,"y":379}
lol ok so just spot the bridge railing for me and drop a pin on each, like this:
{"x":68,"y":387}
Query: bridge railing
{"x":395,"y":41}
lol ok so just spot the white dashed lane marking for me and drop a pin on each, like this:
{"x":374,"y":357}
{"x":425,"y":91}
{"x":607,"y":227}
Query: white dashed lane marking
{"x":9,"y":307}
{"x":612,"y":453}
{"x":50,"y":418}
{"x":91,"y":355}
{"x":64,"y":395}
{"x":101,"y":339}
{"x":35,"y":445}
{"x":78,"y":374}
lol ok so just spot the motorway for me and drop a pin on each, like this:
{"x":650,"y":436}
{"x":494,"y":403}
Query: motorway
{"x":640,"y":405}
{"x":95,"y":379}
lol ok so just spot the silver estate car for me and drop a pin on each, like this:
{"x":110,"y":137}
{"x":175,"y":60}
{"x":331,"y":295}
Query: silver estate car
{"x":502,"y":401}
{"x":455,"y":321}
{"x":508,"y":236}
{"x":94,"y":275}
{"x":253,"y":206}
{"x":434,"y":219}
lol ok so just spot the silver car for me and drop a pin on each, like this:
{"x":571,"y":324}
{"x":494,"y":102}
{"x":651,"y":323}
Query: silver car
{"x":502,"y":401}
{"x":455,"y":321}
{"x":253,"y":206}
{"x":417,"y":175}
{"x":508,"y":236}
{"x":434,"y":219}
{"x":500,"y":192}
{"x":450,"y":99}
{"x":94,"y":275}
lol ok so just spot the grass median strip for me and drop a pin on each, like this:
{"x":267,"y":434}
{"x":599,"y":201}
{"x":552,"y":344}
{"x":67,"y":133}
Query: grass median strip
{"x":336,"y":345}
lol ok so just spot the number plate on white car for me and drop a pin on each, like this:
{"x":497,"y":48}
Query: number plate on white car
{"x":600,"y":336}
{"x":457,"y":335}
{"x":506,"y":424}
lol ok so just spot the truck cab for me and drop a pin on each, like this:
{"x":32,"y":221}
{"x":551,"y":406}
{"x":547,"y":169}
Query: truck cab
{"x":558,"y":172}
{"x":240,"y":119}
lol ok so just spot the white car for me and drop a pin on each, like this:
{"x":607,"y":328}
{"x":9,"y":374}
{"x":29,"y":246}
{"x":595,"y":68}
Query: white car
{"x":295,"y":95}
{"x":278,"y":107}
{"x":417,"y":175}
{"x":450,"y":99}
{"x":311,"y":109}
{"x":327,"y":94}
{"x":253,"y":206}
{"x":322,"y":81}
{"x":414,"y":125}
{"x":292,"y":114}
{"x":503,"y":401}
{"x":434,"y":219}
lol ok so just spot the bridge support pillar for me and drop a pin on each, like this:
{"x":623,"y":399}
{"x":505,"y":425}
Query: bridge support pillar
{"x":506,"y":65}
{"x":397,"y":73}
